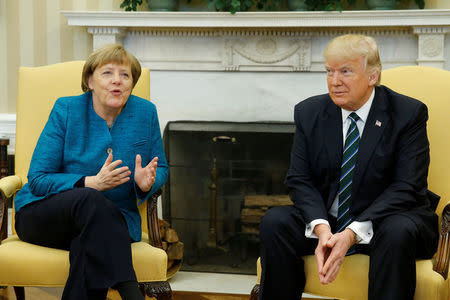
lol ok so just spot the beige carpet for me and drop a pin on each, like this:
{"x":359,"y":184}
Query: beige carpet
{"x":34,"y":293}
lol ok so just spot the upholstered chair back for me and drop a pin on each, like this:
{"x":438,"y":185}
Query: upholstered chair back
{"x":431,"y":86}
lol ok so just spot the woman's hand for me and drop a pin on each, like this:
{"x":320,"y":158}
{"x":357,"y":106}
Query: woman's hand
{"x":108,"y":177}
{"x":145,"y":177}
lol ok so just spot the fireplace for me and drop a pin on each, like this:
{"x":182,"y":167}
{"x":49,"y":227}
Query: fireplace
{"x":247,"y":70}
{"x":214,"y":168}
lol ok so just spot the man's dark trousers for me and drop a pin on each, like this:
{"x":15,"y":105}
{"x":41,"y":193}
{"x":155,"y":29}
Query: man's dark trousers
{"x":393,"y":250}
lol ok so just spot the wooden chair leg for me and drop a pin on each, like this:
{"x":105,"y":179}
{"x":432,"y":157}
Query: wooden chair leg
{"x":255,"y":292}
{"x":159,"y":289}
{"x":20,"y":292}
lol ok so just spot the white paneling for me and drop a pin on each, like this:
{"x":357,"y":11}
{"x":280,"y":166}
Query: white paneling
{"x":105,"y":5}
{"x":81,"y":39}
{"x":26,"y":30}
{"x":53,"y":32}
{"x":3,"y":58}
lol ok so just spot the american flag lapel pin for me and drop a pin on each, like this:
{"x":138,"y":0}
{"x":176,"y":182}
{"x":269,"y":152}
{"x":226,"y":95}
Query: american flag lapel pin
{"x":377,"y":123}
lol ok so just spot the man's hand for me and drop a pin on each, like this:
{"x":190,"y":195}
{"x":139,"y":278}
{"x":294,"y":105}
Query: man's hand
{"x":339,"y":244}
{"x":145,"y":177}
{"x":108,"y":177}
{"x":322,"y":251}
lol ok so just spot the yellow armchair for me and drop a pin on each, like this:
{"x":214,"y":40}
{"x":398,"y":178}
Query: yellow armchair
{"x":23,"y":264}
{"x":431,"y":86}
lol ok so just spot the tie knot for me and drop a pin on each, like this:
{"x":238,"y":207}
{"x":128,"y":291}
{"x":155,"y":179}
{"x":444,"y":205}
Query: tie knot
{"x":354,"y":117}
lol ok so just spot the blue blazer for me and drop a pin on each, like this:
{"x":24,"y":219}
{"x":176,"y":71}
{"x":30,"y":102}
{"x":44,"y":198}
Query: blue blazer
{"x":75,"y":141}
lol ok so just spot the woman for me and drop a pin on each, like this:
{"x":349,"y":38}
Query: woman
{"x":96,"y":155}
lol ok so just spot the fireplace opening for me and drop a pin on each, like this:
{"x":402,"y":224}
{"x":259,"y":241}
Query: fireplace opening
{"x":223,"y":177}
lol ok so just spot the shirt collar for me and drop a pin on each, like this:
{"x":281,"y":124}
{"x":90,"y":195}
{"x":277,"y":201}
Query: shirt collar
{"x":362,"y":112}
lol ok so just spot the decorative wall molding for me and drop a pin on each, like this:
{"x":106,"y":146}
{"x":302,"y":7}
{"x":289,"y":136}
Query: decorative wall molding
{"x":107,"y":35}
{"x":362,"y":18}
{"x":267,"y":51}
{"x":431,"y":45}
{"x":8,"y":130}
{"x":265,"y":41}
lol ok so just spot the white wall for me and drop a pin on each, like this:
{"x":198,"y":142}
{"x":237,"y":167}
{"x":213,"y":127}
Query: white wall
{"x":231,"y":96}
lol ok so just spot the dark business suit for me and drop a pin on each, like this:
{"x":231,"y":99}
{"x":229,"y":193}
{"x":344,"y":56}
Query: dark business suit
{"x":389,"y":189}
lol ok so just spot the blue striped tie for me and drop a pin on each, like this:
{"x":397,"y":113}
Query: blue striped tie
{"x":348,"y":165}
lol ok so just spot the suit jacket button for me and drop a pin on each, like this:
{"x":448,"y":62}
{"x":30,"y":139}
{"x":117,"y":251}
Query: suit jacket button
{"x":109,"y":150}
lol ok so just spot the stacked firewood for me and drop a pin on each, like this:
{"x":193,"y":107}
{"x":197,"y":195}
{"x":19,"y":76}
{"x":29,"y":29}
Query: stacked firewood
{"x":255,"y":206}
{"x":171,"y":243}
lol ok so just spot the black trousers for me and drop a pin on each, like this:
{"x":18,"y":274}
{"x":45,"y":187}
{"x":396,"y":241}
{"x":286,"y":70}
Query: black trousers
{"x":393,"y":251}
{"x":92,"y":228}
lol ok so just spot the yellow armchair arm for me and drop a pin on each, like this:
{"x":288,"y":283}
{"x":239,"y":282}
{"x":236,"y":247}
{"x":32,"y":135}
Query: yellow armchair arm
{"x":10,"y":185}
{"x":442,"y":258}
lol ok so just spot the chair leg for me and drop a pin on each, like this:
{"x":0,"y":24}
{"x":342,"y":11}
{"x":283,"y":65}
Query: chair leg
{"x":20,"y":292}
{"x":255,"y":292}
{"x":159,"y":289}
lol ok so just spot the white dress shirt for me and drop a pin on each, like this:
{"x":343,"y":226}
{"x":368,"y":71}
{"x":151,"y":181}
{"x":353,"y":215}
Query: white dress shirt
{"x":363,"y":230}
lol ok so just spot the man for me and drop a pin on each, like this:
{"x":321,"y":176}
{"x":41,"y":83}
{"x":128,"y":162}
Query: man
{"x":358,"y":180}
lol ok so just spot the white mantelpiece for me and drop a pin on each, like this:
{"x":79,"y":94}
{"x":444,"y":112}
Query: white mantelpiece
{"x":266,"y":41}
{"x":256,"y":66}
{"x":356,"y":18}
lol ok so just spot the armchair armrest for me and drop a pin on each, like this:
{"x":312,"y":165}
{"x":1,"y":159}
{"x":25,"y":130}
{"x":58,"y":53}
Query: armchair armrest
{"x":442,"y":257}
{"x":8,"y":186}
{"x":152,"y":220}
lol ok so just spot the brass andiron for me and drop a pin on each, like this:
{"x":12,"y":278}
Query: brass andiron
{"x":212,"y":236}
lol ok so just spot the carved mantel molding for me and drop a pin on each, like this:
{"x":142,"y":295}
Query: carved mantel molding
{"x":265,"y":41}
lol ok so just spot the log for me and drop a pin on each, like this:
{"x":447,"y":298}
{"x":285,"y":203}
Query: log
{"x":170,"y":243}
{"x":171,"y":236}
{"x":252,"y":215}
{"x":170,"y":263}
{"x":163,"y":225}
{"x":255,"y":206}
{"x":245,"y":228}
{"x":175,"y":251}
{"x":267,"y":200}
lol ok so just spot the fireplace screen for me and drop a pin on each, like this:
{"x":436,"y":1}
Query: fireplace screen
{"x":223,"y":177}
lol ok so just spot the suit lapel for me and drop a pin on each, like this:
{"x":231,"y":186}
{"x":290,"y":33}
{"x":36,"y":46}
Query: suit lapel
{"x":333,"y":134}
{"x":377,"y":121}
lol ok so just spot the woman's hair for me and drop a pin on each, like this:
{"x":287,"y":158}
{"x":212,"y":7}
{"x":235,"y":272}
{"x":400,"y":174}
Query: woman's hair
{"x":112,"y":53}
{"x":349,"y":46}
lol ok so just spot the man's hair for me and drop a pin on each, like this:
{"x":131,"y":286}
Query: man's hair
{"x":349,"y":46}
{"x":112,"y":53}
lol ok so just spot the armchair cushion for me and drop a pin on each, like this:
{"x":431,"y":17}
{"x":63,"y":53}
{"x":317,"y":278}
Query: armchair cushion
{"x":354,"y":272}
{"x":42,"y":266}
